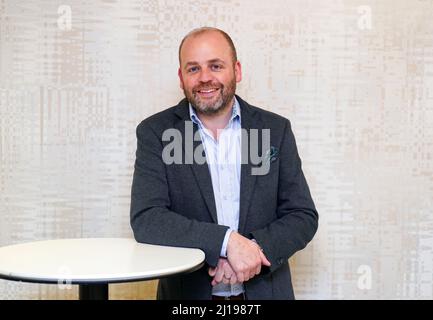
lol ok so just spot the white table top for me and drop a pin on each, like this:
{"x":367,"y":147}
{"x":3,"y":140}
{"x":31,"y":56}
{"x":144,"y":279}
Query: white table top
{"x":94,"y":260}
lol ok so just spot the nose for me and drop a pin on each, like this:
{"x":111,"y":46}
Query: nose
{"x":205,"y":75}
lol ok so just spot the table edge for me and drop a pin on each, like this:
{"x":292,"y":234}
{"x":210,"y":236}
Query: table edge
{"x":101,"y":281}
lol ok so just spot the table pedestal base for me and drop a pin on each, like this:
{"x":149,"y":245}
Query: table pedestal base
{"x":93,"y":291}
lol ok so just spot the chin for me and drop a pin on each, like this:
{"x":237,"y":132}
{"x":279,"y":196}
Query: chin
{"x":210,"y":111}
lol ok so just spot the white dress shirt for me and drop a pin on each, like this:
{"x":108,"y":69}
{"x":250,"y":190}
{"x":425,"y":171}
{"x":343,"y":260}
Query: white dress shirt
{"x":224,"y":161}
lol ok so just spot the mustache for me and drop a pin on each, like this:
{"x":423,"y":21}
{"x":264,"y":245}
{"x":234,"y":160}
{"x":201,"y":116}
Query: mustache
{"x":208,"y":86}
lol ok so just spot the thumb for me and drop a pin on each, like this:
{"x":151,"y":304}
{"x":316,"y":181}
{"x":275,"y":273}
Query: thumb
{"x":265,"y":260}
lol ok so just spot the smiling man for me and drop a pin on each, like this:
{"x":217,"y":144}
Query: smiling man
{"x":247,"y":225}
{"x":209,"y":71}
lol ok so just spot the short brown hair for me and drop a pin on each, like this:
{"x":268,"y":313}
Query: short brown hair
{"x":201,"y":30}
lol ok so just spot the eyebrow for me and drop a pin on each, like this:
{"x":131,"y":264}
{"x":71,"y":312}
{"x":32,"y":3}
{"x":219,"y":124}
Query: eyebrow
{"x":193,"y":63}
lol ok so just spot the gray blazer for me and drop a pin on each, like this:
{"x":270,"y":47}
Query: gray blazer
{"x":174,"y":204}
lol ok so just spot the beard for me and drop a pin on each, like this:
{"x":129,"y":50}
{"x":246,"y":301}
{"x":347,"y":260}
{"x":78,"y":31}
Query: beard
{"x":212,"y":106}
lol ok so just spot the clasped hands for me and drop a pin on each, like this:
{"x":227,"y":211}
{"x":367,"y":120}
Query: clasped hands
{"x":244,"y":261}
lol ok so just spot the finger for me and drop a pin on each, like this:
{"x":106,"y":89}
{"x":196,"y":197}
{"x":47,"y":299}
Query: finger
{"x":228,"y":271}
{"x":265,"y":260}
{"x":233,"y":280}
{"x":226,"y":281}
{"x":219,"y":275}
{"x":246,"y":276}
{"x":253,"y":274}
{"x":240,"y":277}
{"x":212,"y":271}
{"x":258,"y":269}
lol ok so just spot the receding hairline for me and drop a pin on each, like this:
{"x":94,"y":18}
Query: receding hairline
{"x":202,"y":30}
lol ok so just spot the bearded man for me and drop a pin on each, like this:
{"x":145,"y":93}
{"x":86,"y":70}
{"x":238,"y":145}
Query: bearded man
{"x":248,"y":222}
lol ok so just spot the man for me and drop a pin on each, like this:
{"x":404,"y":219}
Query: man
{"x":248,"y":221}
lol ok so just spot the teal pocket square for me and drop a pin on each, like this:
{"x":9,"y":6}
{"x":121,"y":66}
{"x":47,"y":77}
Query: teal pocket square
{"x":272,"y":154}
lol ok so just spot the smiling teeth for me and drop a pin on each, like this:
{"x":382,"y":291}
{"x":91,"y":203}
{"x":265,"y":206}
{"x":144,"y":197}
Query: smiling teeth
{"x":208,"y":91}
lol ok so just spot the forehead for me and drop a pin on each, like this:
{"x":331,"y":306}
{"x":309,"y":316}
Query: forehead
{"x":205,"y":46}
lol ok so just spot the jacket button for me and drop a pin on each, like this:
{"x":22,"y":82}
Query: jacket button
{"x":280,"y":261}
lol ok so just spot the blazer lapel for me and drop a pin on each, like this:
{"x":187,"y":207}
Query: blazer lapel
{"x":249,"y":120}
{"x":200,"y":171}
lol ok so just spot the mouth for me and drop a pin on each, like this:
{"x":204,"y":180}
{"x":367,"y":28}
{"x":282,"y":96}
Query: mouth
{"x":207,"y":93}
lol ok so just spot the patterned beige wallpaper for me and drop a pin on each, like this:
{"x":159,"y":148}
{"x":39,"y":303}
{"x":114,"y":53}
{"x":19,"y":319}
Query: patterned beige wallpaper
{"x":355,"y":78}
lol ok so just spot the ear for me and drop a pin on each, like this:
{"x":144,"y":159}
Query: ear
{"x":179,"y":73}
{"x":238,"y":71}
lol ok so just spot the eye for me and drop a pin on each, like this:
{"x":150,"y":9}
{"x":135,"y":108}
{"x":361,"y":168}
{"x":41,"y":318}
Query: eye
{"x":216,"y":67}
{"x":192,"y":69}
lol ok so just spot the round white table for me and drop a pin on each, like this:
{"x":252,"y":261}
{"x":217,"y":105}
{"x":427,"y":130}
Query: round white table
{"x":93,"y":263}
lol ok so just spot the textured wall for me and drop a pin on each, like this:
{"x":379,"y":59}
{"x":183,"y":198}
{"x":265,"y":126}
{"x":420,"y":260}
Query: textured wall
{"x":354,"y":77}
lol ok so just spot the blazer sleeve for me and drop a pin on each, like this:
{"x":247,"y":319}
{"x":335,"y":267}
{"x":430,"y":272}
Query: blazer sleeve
{"x":152,"y":220}
{"x":297,"y":220}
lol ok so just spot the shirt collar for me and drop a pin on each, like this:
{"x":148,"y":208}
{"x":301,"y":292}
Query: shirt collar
{"x":236,"y":113}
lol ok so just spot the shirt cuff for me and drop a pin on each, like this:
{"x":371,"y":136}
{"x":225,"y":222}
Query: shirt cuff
{"x":226,"y":240}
